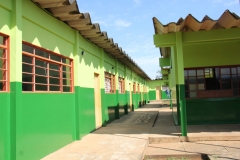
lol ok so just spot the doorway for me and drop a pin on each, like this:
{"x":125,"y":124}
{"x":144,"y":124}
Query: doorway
{"x":158,"y":93}
{"x":97,"y":100}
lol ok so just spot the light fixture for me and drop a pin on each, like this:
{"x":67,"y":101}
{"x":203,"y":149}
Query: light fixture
{"x":83,"y":52}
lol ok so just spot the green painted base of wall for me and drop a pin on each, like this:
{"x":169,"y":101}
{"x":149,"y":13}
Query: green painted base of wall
{"x":164,"y":95}
{"x":46,"y":124}
{"x":152,"y":95}
{"x":86,"y":111}
{"x":4,"y":123}
{"x":213,"y":111}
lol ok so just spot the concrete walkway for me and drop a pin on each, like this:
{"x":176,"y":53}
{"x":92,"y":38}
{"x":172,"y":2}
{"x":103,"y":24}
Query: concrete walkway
{"x":149,"y":133}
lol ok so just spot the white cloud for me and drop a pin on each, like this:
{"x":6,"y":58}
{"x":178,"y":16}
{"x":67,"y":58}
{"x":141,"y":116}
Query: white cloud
{"x":226,"y":2}
{"x":231,"y":3}
{"x":122,"y":23}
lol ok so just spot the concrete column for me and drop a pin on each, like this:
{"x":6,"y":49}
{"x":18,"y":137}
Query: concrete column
{"x":180,"y":83}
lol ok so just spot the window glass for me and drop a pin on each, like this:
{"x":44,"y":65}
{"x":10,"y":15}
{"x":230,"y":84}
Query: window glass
{"x":200,"y":73}
{"x":66,"y":88}
{"x":40,"y":71}
{"x":193,"y":94}
{"x":54,"y":74}
{"x":66,"y":61}
{"x":192,"y":80}
{"x":55,"y":81}
{"x":27,"y":87}
{"x":234,"y":70}
{"x":55,"y":57}
{"x":27,"y":77}
{"x":41,"y":87}
{"x":201,"y":87}
{"x":55,"y":88}
{"x":191,"y":72}
{"x":2,"y":53}
{"x":41,"y":79}
{"x":200,"y":80}
{"x":66,"y":82}
{"x":225,"y":78}
{"x":54,"y":66}
{"x":41,"y":63}
{"x":27,"y":48}
{"x":27,"y":59}
{"x":3,"y":64}
{"x":41,"y":53}
{"x":225,"y":70}
{"x":238,"y":69}
{"x":185,"y":73}
{"x":45,"y":71}
{"x":27,"y":68}
{"x":192,"y":87}
{"x":2,"y":40}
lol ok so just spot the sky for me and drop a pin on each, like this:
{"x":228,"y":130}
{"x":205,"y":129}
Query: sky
{"x":129,"y":22}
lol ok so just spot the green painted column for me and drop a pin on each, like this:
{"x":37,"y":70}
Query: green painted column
{"x":102,"y":86}
{"x":76,"y":131}
{"x":125,"y":86}
{"x":116,"y":81}
{"x":14,"y":113}
{"x":180,"y":73}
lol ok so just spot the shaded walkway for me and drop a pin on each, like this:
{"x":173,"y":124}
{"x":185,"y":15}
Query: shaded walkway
{"x":150,"y":131}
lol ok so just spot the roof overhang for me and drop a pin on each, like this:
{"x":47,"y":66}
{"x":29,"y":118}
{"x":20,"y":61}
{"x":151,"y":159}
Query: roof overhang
{"x":68,"y":12}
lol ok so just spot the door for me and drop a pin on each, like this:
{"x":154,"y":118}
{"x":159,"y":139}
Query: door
{"x":97,"y":100}
{"x":130,"y":94}
{"x":158,"y":94}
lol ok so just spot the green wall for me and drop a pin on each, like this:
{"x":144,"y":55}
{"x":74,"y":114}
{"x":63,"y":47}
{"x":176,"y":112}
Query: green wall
{"x":213,"y":111}
{"x":211,"y":54}
{"x":36,"y":124}
{"x":45,"y":123}
{"x":5,"y":105}
{"x":152,"y":89}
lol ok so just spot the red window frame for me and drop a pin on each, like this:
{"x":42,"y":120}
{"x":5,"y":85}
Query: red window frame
{"x":48,"y":61}
{"x":110,"y":86}
{"x":121,"y":85}
{"x":200,"y":90}
{"x":4,"y":77}
{"x":134,"y":87}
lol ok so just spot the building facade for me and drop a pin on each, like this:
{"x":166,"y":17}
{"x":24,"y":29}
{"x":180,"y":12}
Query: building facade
{"x":61,"y":77}
{"x":204,"y":68}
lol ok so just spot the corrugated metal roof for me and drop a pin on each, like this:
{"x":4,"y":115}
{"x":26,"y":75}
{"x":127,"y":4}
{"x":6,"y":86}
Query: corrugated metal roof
{"x":191,"y":24}
{"x":68,"y":12}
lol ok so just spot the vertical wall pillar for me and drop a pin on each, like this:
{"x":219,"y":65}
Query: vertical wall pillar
{"x":180,"y":73}
{"x":76,"y":129}
{"x":14,"y":115}
{"x":116,"y":83}
{"x":125,"y":85}
{"x":102,"y":86}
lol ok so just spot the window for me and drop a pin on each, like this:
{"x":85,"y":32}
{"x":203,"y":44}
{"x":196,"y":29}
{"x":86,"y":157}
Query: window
{"x":134,"y":87}
{"x":121,"y":85}
{"x":45,"y":71}
{"x":212,"y":82}
{"x":138,"y":87}
{"x":109,"y":83}
{"x":4,"y":67}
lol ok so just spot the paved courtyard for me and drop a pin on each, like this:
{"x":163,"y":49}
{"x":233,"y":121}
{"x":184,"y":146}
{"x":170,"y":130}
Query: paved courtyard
{"x":149,"y":133}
